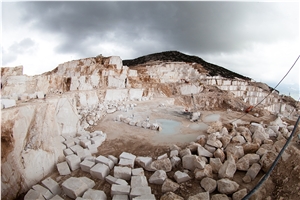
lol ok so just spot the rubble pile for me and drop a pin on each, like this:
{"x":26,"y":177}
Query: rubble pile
{"x":212,"y":160}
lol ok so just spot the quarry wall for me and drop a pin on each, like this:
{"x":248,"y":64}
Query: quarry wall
{"x":46,"y":107}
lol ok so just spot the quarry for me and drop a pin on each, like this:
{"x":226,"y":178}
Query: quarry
{"x":161,"y":126}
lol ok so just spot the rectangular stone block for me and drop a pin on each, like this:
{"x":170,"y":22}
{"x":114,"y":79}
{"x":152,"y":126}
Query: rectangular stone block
{"x":113,"y":158}
{"x":83,"y":154}
{"x":73,"y":162}
{"x":138,"y":191}
{"x":138,"y":181}
{"x":63,"y":168}
{"x":99,"y":171}
{"x":137,"y":172}
{"x":126,"y":155}
{"x":86,"y":165}
{"x":76,"y":148}
{"x":74,"y":187}
{"x":33,"y":195}
{"x":56,"y":197}
{"x":93,"y":148}
{"x":45,"y":192}
{"x":106,"y":161}
{"x":144,"y":197}
{"x":97,"y":140}
{"x":68,"y":152}
{"x":89,"y":182}
{"x":126,"y":162}
{"x":144,"y":161}
{"x":52,"y":185}
{"x":120,"y":197}
{"x":69,"y":142}
{"x":122,"y":172}
{"x":120,"y":189}
{"x":85,"y":143}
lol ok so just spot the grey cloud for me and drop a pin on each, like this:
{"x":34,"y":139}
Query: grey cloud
{"x":191,"y":27}
{"x":11,"y":53}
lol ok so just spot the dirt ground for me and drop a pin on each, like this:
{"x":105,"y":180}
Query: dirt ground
{"x":284,"y":182}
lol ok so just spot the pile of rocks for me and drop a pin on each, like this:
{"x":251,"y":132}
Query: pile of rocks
{"x":133,"y":121}
{"x":212,"y":160}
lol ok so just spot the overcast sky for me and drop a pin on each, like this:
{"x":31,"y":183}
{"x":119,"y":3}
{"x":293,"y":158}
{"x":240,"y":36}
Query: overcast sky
{"x":256,"y":39}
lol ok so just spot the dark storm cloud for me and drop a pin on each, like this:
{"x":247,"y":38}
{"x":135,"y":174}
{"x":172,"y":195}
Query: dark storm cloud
{"x":17,"y":48}
{"x":148,"y":27}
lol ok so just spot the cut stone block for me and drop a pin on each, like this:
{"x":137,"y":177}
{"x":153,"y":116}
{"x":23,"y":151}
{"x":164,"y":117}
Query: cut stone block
{"x":158,"y":177}
{"x":94,"y":195}
{"x":90,"y":158}
{"x":74,"y":187}
{"x":83,"y":154}
{"x":98,"y":140}
{"x":137,"y":172}
{"x":120,"y":197}
{"x":90,"y":183}
{"x":138,"y":181}
{"x":68,"y":152}
{"x":181,"y":177}
{"x":112,"y":180}
{"x":51,"y":185}
{"x":126,"y":155}
{"x":69,"y":142}
{"x":45,"y":192}
{"x":33,"y":195}
{"x":85,"y":143}
{"x":106,"y":161}
{"x":122,"y":172}
{"x":113,"y":158}
{"x":73,"y":162}
{"x":126,"y":162}
{"x":145,"y":197}
{"x":86,"y":165}
{"x":63,"y":168}
{"x":144,"y":161}
{"x":56,"y":197}
{"x":93,"y":148}
{"x":138,"y":191}
{"x":99,"y":171}
{"x":76,"y":148}
{"x":120,"y":189}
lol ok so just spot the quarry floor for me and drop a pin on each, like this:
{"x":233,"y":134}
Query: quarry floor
{"x":122,"y":137}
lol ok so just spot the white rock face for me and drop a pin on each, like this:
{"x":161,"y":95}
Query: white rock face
{"x":27,"y":128}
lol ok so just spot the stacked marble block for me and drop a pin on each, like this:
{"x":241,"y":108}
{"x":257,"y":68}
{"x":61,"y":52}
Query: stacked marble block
{"x":79,"y":148}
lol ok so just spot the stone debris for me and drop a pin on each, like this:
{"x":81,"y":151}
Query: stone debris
{"x":63,"y":168}
{"x":181,"y":177}
{"x":169,"y":186}
{"x":52,"y":185}
{"x":43,"y":191}
{"x":158,"y":177}
{"x":99,"y":171}
{"x":74,"y":187}
{"x":227,"y":186}
{"x":201,"y":195}
{"x":208,"y":184}
{"x":94,"y":195}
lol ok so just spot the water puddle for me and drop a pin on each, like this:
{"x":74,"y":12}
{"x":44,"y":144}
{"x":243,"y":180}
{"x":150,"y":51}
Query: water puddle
{"x":169,"y":127}
{"x":198,"y":126}
{"x":211,"y":118}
